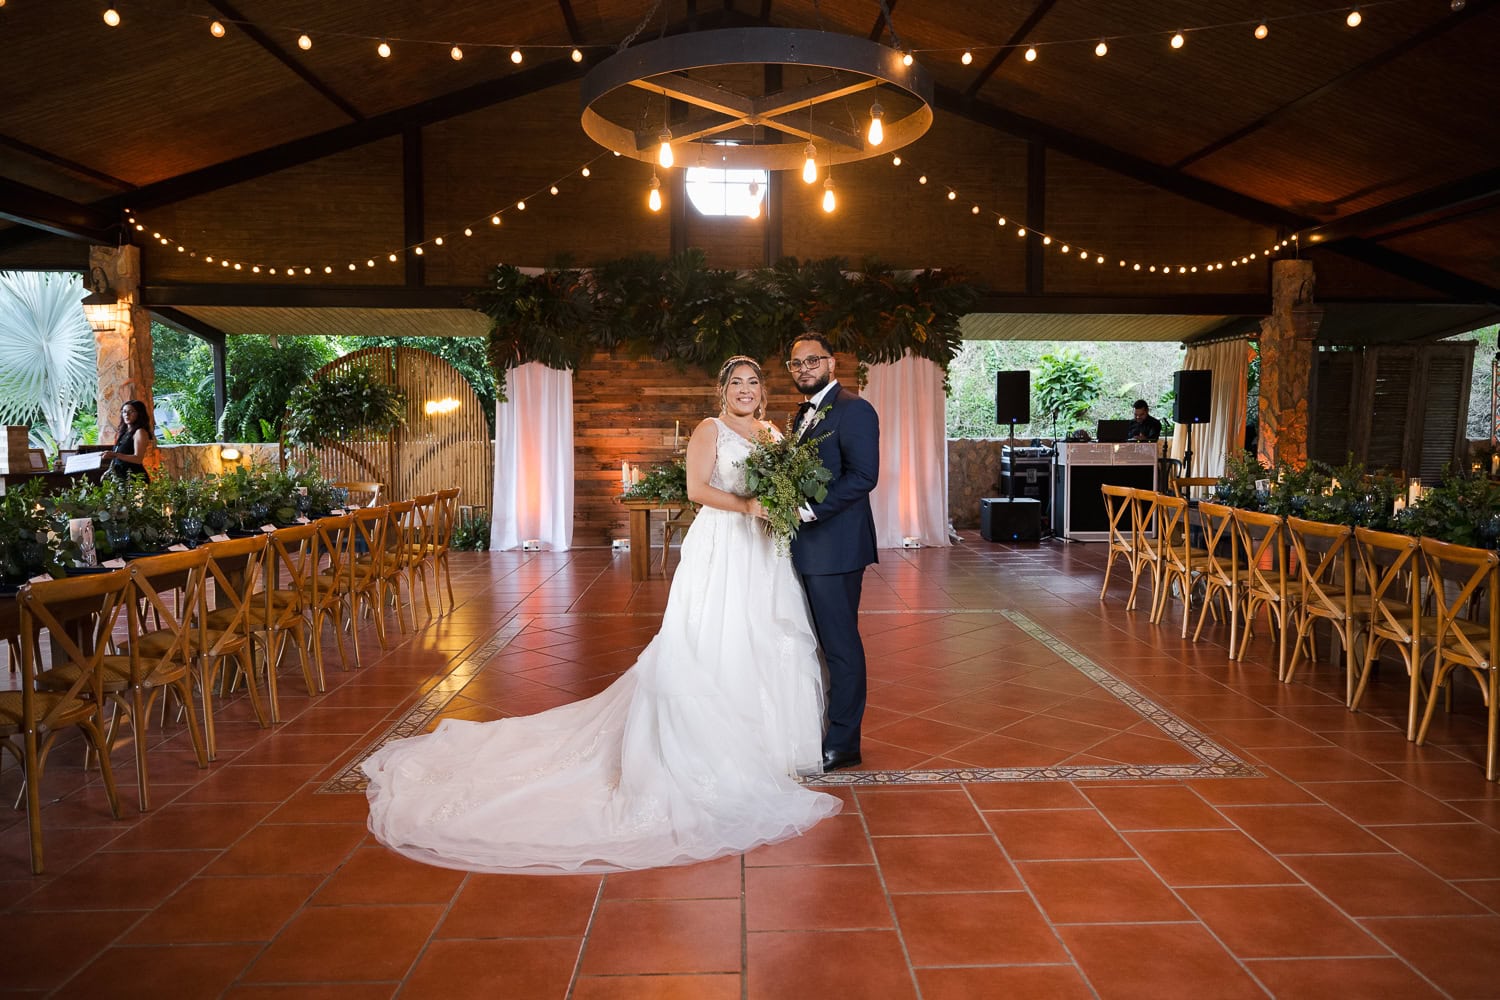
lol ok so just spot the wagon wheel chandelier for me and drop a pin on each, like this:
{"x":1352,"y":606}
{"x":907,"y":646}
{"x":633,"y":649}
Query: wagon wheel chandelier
{"x":774,"y":131}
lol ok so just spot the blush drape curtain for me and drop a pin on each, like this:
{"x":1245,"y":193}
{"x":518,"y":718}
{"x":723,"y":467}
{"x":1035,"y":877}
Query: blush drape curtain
{"x":1224,"y":434}
{"x":911,"y":499}
{"x":533,"y":495}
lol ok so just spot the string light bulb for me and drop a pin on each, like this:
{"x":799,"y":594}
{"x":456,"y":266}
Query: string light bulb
{"x":216,"y":29}
{"x":391,"y":258}
{"x":418,"y":251}
{"x":1178,"y":40}
{"x":468,"y":231}
{"x":907,"y":59}
{"x":810,"y":164}
{"x":521,"y":206}
{"x":384,"y":48}
{"x":515,"y":56}
{"x":576,"y":56}
{"x":552,"y":189}
{"x":896,"y":160}
{"x":456,"y":53}
{"x":829,"y":203}
{"x":1453,"y":5}
{"x":1101,"y":49}
{"x":304,"y":42}
{"x":494,"y":220}
{"x":1354,"y":18}
{"x":112,"y":17}
{"x":967,"y":57}
{"x":664,"y":151}
{"x":877,"y":129}
{"x":922,"y":179}
{"x":952,"y":195}
{"x":585,"y":171}
{"x":653,"y":200}
{"x":1261,"y":31}
{"x":1031,"y":53}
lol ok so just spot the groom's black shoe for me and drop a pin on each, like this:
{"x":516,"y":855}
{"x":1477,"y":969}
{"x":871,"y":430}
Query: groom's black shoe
{"x":837,"y":760}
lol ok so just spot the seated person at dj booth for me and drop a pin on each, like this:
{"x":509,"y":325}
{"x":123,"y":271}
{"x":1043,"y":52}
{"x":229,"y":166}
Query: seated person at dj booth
{"x":1144,"y":427}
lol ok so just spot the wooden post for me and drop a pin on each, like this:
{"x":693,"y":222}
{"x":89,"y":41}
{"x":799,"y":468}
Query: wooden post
{"x":124,"y":360}
{"x":1287,"y":349}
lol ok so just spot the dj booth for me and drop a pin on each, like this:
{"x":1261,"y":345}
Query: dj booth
{"x":1078,"y":510}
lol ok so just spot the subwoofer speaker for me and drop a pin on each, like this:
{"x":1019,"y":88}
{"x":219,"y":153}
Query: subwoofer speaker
{"x":1013,"y":397}
{"x":1194,"y":389}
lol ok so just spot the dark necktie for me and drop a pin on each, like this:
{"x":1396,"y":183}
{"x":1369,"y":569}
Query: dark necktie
{"x":802,"y":412}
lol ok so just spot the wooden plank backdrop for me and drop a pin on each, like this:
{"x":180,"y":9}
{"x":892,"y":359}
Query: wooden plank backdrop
{"x":432,"y":451}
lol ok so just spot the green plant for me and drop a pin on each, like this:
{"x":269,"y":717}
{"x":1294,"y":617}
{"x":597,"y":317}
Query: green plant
{"x":1238,"y":486}
{"x":261,"y":378}
{"x":1354,"y":497}
{"x":343,"y":403}
{"x":1462,"y":508}
{"x":471,"y":534}
{"x":667,"y":483}
{"x":1292,"y":488}
{"x":46,"y":354}
{"x":1067,"y":384}
{"x":29,"y":545}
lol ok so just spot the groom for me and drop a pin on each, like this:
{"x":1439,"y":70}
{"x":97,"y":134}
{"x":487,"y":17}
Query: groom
{"x":837,"y":538}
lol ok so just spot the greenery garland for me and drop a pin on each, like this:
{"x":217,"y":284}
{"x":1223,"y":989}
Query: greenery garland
{"x":681,"y":310}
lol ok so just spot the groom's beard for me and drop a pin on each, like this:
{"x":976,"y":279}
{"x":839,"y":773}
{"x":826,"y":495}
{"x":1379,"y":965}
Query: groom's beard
{"x":816,"y":386}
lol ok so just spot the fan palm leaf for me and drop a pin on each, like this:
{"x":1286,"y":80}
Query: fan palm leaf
{"x":46,"y":351}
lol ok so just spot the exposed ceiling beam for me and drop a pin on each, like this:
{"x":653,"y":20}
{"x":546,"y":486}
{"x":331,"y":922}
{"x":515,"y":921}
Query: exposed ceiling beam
{"x":1418,"y":271}
{"x":1109,"y":158}
{"x":575,"y":34}
{"x":1445,"y":24}
{"x":41,"y":210}
{"x":306,"y":296}
{"x":71,"y":166}
{"x":1125,"y":305}
{"x":1016,"y":38}
{"x":191,"y":325}
{"x":1454,"y":194}
{"x":281,"y":55}
{"x":880,"y":22}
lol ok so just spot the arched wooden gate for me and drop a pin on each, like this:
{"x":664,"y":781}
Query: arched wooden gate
{"x":445,"y":441}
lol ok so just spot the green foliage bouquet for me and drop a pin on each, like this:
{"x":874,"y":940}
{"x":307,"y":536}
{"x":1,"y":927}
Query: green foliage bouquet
{"x":783,"y":474}
{"x":667,"y":483}
{"x":341,"y":404}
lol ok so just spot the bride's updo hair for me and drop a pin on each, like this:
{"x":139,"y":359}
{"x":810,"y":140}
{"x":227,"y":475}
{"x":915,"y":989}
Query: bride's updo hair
{"x":728,"y":369}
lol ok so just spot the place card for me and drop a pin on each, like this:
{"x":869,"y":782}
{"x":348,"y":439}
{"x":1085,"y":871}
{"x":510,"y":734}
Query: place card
{"x":268,"y":528}
{"x":113,"y":564}
{"x":338,"y":512}
{"x":218,"y":538}
{"x":302,"y":520}
{"x":41,"y":578}
{"x":178,"y":547}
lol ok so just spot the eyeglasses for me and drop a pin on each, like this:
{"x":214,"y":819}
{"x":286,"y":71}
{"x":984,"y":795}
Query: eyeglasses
{"x":806,"y":363}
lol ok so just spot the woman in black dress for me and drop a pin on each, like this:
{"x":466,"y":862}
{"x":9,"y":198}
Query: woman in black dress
{"x":133,"y":442}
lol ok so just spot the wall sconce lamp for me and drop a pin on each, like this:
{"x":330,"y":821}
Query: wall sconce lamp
{"x":440,"y":407}
{"x":101,"y":305}
{"x":229,"y":454}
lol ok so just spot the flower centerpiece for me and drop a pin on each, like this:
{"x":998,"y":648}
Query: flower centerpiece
{"x":784,"y":473}
{"x":666,"y":483}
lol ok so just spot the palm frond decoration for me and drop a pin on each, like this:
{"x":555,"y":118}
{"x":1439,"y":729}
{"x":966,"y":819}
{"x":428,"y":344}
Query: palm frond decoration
{"x":47,"y":368}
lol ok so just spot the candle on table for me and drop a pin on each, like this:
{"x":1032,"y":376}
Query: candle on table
{"x":624,"y":473}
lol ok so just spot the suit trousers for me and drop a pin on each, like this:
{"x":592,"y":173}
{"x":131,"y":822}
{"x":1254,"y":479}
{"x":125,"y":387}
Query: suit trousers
{"x":834,"y":602}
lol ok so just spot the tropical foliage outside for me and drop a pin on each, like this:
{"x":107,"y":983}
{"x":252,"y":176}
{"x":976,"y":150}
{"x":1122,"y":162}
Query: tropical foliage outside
{"x":47,"y":366}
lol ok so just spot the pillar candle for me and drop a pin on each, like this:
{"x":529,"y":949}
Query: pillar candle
{"x":624,"y":473}
{"x":1413,"y":491}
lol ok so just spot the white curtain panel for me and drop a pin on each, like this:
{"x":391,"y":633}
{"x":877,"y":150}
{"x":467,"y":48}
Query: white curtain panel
{"x":911,"y":499}
{"x":533,"y":495}
{"x":1224,"y":434}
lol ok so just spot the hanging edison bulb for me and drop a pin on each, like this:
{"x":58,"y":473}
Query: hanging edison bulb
{"x":1101,"y":49}
{"x":456,"y":53}
{"x":112,"y":17}
{"x":216,"y":29}
{"x":384,"y":48}
{"x":906,"y":59}
{"x":515,"y":56}
{"x":653,"y":200}
{"x":877,"y":129}
{"x":664,"y":151}
{"x":810,"y":164}
{"x":304,"y":42}
{"x":967,"y":57}
{"x":829,"y":203}
{"x":1031,"y":53}
{"x":1354,"y":18}
{"x":1178,"y":40}
{"x":577,"y":56}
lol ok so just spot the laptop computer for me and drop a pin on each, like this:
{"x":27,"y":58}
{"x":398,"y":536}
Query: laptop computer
{"x":1113,"y":430}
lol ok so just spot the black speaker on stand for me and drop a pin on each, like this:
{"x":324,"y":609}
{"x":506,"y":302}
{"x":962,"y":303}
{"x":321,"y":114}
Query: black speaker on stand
{"x":1011,"y":518}
{"x":1193,"y":391}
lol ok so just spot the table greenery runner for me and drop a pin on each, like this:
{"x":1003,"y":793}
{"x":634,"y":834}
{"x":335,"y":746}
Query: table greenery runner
{"x":135,"y":517}
{"x":682,"y":311}
{"x":1463,"y":507}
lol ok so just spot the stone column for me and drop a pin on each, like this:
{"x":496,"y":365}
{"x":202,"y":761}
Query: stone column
{"x":1286,"y":365}
{"x":124,"y":361}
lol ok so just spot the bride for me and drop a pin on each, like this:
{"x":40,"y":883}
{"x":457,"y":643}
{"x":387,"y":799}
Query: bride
{"x":691,"y":754}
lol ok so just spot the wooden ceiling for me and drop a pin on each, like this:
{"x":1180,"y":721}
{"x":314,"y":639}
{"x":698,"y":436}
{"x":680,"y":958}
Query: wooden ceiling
{"x":1383,"y":133}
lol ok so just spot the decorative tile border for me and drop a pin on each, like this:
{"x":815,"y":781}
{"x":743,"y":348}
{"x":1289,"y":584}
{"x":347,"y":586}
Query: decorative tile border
{"x":1215,"y":761}
{"x":416,"y":719}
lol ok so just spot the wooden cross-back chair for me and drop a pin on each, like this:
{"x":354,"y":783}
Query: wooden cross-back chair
{"x":1221,"y":573}
{"x":323,"y":586}
{"x":420,"y":548}
{"x":1121,"y":516}
{"x":362,"y":492}
{"x":31,"y":717}
{"x":1390,"y":565}
{"x":1262,"y":541}
{"x":1326,"y":571}
{"x":1468,"y":628}
{"x":1176,"y":562}
{"x":364,"y":586}
{"x":235,"y":567}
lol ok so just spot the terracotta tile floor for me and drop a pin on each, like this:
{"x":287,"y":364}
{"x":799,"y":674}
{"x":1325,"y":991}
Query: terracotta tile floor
{"x":1345,"y":863}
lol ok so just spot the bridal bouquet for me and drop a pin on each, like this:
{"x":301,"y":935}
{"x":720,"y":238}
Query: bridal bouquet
{"x":784,"y":474}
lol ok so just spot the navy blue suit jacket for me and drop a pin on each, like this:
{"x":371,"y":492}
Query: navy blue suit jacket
{"x":842,"y":539}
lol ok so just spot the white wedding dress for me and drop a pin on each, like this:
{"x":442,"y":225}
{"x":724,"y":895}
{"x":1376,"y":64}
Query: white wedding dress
{"x":689,"y":755}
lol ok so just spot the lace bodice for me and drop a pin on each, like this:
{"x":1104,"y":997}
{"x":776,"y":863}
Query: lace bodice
{"x":729,"y":464}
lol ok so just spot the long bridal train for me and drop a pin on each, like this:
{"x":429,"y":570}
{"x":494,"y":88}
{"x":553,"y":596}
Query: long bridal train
{"x":689,"y":755}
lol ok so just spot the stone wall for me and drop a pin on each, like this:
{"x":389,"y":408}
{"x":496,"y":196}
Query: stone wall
{"x":973,"y":474}
{"x":191,"y":461}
